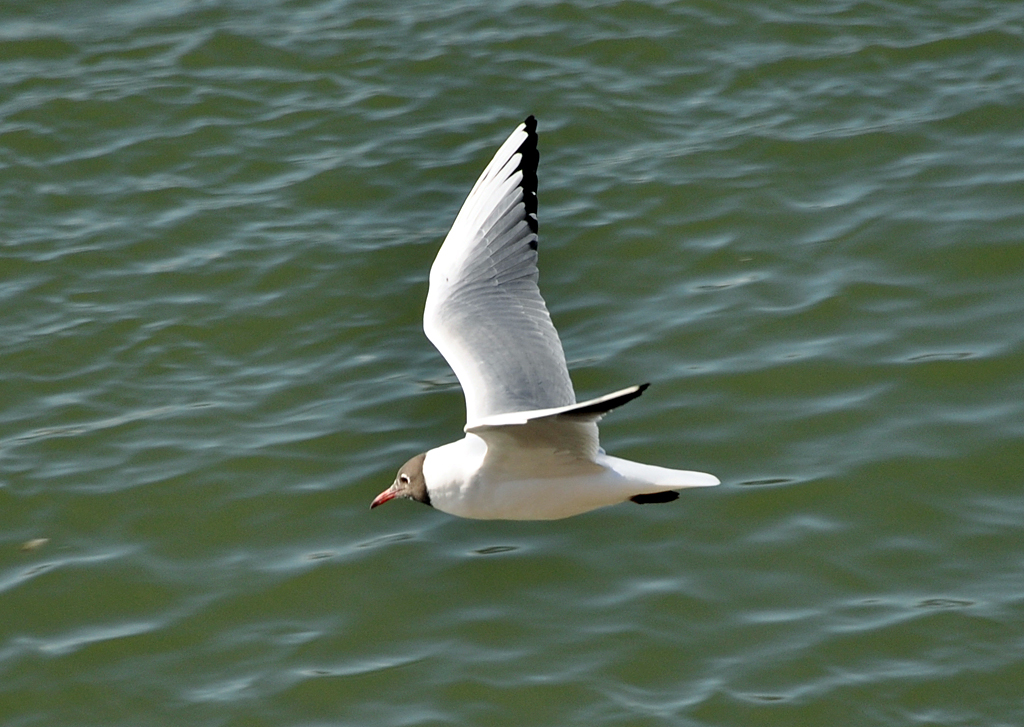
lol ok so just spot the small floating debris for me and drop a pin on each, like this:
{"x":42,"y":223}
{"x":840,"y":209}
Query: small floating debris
{"x":34,"y":544}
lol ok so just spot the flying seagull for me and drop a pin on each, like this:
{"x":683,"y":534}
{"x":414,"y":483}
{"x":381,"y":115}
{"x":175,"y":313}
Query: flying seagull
{"x":530,"y":451}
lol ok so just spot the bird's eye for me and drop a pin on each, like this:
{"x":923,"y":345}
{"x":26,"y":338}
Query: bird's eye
{"x":404,"y":479}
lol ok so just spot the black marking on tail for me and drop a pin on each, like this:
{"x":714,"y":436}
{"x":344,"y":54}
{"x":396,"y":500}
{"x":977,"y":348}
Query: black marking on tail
{"x":666,"y":496}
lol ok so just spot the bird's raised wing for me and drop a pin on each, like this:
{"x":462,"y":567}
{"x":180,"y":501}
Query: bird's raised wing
{"x":484,"y":311}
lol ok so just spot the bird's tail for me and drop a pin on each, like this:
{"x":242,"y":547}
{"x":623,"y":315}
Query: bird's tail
{"x":658,"y":479}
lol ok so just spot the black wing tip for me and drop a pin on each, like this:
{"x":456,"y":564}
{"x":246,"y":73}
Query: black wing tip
{"x":603,"y":407}
{"x":628,"y":396}
{"x":653,"y":497}
{"x":528,"y":162}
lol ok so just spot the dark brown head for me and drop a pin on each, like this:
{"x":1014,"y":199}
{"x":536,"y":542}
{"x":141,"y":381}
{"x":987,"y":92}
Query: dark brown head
{"x":409,"y":483}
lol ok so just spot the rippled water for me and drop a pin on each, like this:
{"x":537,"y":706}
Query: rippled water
{"x":801,"y":222}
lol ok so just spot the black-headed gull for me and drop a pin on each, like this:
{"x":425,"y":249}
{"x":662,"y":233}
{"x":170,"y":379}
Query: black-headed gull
{"x":530,"y":451}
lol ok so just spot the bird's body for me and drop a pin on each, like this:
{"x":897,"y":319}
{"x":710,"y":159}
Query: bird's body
{"x":530,"y":451}
{"x":464,"y":483}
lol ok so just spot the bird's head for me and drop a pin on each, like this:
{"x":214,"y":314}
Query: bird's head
{"x":408,"y":484}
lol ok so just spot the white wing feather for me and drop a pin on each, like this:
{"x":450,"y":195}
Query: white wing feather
{"x":484,"y":311}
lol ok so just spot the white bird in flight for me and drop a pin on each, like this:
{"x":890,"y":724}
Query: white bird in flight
{"x":530,"y":451}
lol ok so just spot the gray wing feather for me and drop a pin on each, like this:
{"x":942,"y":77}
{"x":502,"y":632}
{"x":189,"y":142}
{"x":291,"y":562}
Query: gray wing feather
{"x":484,"y":311}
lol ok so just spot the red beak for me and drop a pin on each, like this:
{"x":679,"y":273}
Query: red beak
{"x":388,"y":494}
